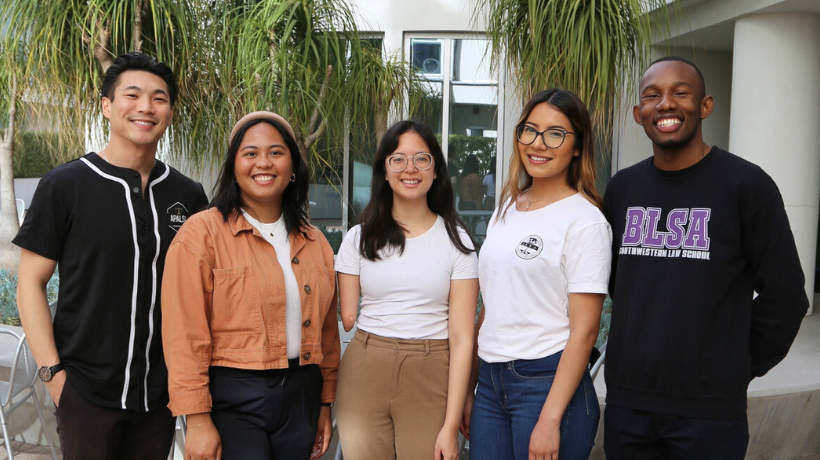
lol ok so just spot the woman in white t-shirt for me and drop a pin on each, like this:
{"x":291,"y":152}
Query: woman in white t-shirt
{"x":403,"y":378}
{"x":543,"y":270}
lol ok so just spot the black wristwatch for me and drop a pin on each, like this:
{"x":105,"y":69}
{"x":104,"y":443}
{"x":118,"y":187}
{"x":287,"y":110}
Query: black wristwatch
{"x":46,"y":373}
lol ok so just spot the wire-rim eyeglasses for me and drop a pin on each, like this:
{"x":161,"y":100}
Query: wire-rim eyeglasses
{"x":397,"y":162}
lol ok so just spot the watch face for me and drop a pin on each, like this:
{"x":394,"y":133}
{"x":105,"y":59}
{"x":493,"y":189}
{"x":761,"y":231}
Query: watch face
{"x":45,"y":374}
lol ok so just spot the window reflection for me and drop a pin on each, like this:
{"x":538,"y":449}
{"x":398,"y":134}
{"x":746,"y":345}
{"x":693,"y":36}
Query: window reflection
{"x":473,"y":130}
{"x":426,"y":56}
{"x":457,"y":97}
{"x":426,"y":100}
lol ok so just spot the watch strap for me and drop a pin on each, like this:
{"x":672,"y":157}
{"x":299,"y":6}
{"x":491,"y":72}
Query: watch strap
{"x":46,"y":373}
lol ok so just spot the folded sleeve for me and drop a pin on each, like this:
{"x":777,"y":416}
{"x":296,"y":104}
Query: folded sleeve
{"x":588,"y":258}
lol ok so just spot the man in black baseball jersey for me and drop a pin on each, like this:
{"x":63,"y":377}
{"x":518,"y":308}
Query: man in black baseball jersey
{"x":106,"y":221}
{"x":698,"y":232}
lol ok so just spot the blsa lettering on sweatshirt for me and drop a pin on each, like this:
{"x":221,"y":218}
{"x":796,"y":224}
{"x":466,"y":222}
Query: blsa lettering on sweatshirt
{"x":686,"y":233}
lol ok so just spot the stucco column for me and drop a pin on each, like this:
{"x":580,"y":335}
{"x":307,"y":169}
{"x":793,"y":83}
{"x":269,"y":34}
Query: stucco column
{"x":776,"y":115}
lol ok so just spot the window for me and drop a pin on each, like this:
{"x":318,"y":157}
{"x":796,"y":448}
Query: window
{"x":459,"y":101}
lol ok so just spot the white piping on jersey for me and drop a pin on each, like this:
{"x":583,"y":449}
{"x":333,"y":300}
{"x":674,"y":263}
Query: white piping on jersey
{"x":136,"y":274}
{"x":153,"y":281}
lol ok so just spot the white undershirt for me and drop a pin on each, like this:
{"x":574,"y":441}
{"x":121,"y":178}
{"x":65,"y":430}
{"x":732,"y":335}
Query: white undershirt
{"x":293,"y":311}
{"x":407,"y":296}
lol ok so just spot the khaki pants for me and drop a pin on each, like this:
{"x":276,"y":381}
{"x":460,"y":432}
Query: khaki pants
{"x":391,"y":397}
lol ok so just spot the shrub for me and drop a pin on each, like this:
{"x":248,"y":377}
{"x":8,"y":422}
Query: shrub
{"x":8,"y":301}
{"x":606,"y":317}
{"x":334,"y":237}
{"x":8,"y":296}
{"x":35,"y":153}
{"x":484,"y":148}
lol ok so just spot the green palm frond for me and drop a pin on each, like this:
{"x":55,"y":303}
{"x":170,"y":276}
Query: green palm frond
{"x":68,"y":43}
{"x":301,"y":58}
{"x":591,"y":47}
{"x":305,"y":60}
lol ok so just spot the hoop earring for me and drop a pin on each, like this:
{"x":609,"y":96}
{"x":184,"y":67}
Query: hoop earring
{"x":293,"y":177}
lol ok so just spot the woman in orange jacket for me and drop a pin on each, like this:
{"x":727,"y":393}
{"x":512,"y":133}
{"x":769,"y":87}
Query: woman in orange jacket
{"x":249,"y":308}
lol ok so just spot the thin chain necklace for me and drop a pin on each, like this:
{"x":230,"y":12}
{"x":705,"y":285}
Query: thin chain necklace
{"x":269,"y":229}
{"x":530,"y":202}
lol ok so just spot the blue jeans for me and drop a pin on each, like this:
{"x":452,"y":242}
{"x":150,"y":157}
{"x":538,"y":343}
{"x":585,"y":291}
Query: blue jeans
{"x":508,"y":402}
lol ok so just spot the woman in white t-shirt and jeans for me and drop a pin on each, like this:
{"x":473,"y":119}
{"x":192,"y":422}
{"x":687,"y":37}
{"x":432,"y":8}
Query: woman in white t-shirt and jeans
{"x":543,"y":270}
{"x":403,"y":378}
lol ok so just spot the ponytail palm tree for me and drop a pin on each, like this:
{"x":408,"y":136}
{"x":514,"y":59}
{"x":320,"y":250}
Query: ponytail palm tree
{"x":71,"y":43}
{"x":591,"y":47}
{"x":301,"y":58}
{"x":305,"y":59}
{"x":9,"y":224}
{"x":54,"y":54}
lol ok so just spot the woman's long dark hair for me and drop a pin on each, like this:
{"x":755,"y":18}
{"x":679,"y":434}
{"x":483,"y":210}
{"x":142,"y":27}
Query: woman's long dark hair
{"x":295,"y":204}
{"x":379,"y":229}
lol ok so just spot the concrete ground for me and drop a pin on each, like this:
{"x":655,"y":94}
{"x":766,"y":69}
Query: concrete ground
{"x":23,"y":451}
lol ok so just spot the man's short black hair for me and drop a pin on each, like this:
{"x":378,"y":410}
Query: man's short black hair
{"x":141,"y":62}
{"x":687,"y":62}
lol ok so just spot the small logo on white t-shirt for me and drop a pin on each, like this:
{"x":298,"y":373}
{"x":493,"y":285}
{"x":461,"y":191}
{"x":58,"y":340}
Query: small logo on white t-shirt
{"x":529,"y":247}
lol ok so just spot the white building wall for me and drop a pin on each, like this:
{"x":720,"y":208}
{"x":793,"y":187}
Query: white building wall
{"x":716,"y":67}
{"x":687,"y":16}
{"x":394,"y":18}
{"x":776,"y":107}
{"x":630,"y":145}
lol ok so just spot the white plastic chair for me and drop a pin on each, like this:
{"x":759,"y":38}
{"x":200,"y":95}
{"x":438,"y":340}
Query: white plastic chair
{"x":21,"y":383}
{"x":596,"y":366}
{"x":21,"y":209}
{"x":179,"y":436}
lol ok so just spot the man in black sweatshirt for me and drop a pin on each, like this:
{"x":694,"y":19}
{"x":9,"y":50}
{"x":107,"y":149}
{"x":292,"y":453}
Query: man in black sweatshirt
{"x":697,"y":232}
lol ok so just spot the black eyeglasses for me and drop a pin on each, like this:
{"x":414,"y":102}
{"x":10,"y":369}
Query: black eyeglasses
{"x":552,"y":138}
{"x":398,"y":162}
